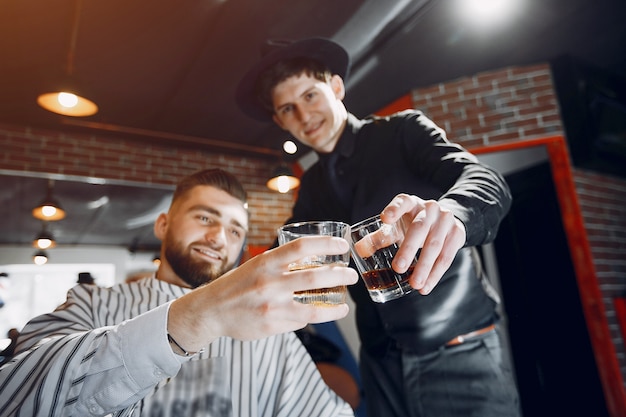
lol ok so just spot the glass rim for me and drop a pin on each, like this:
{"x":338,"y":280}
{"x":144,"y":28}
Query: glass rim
{"x":366,"y":221}
{"x":288,"y":226}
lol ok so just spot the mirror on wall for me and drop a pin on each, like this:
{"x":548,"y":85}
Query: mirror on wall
{"x":98,"y":212}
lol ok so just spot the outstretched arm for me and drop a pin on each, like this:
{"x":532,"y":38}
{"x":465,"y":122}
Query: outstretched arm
{"x":468,"y":214}
{"x":256,"y":300}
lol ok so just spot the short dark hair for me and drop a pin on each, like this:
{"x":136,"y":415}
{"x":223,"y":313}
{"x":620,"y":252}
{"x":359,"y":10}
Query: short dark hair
{"x":215,"y":177}
{"x":282,"y":70}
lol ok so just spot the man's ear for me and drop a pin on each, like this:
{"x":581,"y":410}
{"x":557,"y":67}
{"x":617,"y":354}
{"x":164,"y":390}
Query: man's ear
{"x":160,"y":226}
{"x":336,"y":83}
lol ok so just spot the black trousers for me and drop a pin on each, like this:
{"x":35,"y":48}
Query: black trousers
{"x":470,"y":379}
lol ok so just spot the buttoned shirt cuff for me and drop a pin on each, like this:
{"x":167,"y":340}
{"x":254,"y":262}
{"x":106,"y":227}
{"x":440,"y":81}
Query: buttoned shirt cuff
{"x":146,"y":352}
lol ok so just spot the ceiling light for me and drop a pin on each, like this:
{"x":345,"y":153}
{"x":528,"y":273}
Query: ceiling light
{"x":66,"y":100}
{"x":44,"y":239}
{"x":67,"y":103}
{"x":49,"y":209}
{"x":488,"y":13}
{"x":290,"y":147}
{"x":40,"y":258}
{"x":283,"y":180}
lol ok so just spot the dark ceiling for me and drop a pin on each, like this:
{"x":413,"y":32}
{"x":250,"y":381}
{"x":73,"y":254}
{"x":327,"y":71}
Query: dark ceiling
{"x":168,"y":69}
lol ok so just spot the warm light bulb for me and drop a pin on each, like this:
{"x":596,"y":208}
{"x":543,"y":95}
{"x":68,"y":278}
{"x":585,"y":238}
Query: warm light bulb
{"x":44,"y":243}
{"x":282,"y":181}
{"x":290,"y":147}
{"x":40,"y":259}
{"x":283,"y":184}
{"x":48,"y":211}
{"x":67,"y":104}
{"x":67,"y":100}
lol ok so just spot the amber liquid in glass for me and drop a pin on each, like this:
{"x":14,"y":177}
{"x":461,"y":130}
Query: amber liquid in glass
{"x":320,"y":296}
{"x":386,"y":284}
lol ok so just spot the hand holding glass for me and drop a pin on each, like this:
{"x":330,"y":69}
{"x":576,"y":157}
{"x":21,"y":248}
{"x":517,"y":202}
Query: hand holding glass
{"x":320,"y":296}
{"x":373,"y":245}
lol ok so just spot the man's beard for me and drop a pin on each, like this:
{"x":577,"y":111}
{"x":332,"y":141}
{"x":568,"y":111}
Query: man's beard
{"x":193,"y":272}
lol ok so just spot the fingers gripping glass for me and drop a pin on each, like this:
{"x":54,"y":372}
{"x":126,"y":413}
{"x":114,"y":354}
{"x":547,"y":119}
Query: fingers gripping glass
{"x":320,"y":296}
{"x":373,"y":245}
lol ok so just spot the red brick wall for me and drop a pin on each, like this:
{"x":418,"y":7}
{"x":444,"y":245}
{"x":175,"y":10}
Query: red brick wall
{"x":102,"y":156}
{"x":603,"y":204}
{"x":494,"y":107}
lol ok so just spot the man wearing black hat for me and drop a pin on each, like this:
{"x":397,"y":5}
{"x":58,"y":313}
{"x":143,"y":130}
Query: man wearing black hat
{"x":435,"y":351}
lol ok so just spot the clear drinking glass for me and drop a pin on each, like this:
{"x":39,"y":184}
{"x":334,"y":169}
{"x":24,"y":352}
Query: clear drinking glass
{"x":373,"y":245}
{"x":321,"y":296}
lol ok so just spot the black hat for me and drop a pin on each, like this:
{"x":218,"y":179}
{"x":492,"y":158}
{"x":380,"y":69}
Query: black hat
{"x":85,"y":278}
{"x":329,"y":53}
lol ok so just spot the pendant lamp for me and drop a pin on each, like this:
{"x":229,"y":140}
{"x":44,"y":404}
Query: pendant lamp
{"x":283,"y":180}
{"x":49,"y":209}
{"x":40,"y":258}
{"x":65,"y":99}
{"x":67,"y":102}
{"x":44,"y":240}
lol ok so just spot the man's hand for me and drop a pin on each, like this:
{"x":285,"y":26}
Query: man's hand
{"x":255,"y":300}
{"x":432,"y":228}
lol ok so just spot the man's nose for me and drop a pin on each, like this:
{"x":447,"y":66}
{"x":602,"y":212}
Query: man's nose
{"x":302,"y":114}
{"x":216,"y":234}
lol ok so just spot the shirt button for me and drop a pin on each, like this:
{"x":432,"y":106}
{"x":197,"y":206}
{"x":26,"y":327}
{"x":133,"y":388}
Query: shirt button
{"x":158,"y":372}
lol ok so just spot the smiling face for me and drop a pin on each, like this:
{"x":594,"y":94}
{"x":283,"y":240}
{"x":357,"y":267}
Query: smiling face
{"x":202,"y":236}
{"x":311,"y":110}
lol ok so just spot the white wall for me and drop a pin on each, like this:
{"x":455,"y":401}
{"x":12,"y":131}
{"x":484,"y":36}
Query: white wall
{"x":30,"y":290}
{"x":123,"y":261}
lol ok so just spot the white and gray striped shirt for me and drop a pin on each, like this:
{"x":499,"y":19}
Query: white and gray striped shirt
{"x":105,"y":351}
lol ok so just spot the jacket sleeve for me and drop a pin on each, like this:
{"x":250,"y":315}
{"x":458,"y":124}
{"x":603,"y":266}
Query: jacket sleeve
{"x":477,"y":194}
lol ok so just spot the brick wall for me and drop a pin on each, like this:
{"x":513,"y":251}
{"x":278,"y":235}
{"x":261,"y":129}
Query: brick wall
{"x":102,"y":156}
{"x":519,"y":104}
{"x":494,"y":107}
{"x":603,"y":204}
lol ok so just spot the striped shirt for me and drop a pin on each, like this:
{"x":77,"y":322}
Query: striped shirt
{"x":105,"y":352}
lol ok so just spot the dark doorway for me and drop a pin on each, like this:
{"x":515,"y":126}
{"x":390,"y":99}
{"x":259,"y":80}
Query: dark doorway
{"x":550,"y":345}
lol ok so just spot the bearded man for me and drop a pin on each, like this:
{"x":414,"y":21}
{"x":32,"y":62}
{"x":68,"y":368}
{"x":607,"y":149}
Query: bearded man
{"x":200,"y":338}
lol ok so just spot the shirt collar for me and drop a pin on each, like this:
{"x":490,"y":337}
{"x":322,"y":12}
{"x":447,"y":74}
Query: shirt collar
{"x":347,"y":141}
